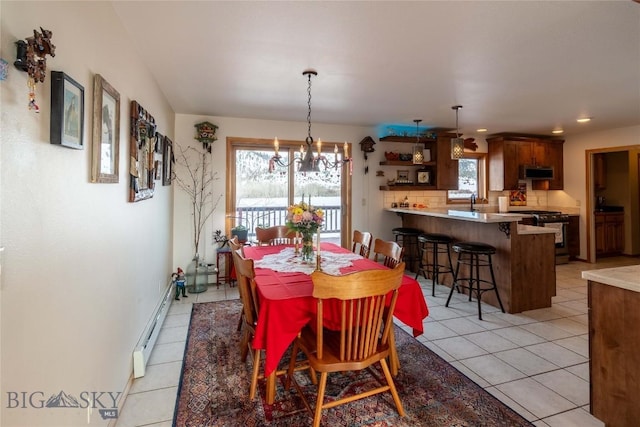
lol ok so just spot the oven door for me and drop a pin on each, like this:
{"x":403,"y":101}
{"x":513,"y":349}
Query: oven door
{"x":562,"y":249}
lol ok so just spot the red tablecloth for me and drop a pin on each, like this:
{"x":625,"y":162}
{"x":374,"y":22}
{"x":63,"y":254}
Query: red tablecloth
{"x":286,"y":302}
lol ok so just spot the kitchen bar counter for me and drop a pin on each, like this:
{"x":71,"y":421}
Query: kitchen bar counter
{"x":524,"y":262}
{"x":614,"y":344}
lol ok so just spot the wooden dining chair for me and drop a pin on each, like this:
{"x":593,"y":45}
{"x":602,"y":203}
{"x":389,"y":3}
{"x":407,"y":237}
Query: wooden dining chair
{"x":389,"y":252}
{"x":251,"y":307}
{"x":235,"y":245}
{"x":363,"y":338}
{"x":362,"y":243}
{"x":276,"y":235}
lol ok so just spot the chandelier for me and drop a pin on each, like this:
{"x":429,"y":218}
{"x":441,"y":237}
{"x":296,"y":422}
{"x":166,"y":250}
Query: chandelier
{"x":307,"y":161}
{"x":457,"y":143}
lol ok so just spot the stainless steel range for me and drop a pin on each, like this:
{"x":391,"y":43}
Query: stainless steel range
{"x":559,"y":222}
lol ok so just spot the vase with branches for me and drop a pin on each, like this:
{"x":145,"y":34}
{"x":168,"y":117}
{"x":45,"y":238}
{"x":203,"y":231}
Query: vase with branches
{"x":195,"y":177}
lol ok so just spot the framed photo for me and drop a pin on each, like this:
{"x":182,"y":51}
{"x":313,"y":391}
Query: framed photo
{"x":167,"y":161}
{"x":403,"y":175}
{"x":67,"y":111}
{"x":106,"y":132}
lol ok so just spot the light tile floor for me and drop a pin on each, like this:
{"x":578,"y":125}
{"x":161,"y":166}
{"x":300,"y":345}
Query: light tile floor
{"x":536,"y":362}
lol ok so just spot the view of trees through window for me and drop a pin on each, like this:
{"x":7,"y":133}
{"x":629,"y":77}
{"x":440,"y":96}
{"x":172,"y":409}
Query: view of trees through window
{"x":468,"y":179}
{"x":262,"y":197}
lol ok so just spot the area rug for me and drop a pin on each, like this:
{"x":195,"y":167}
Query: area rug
{"x":214,"y":386}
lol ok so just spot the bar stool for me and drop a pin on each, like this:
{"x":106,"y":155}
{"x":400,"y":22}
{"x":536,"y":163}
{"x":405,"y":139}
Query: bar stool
{"x":469,"y":254}
{"x":434,"y":244}
{"x":407,"y":237}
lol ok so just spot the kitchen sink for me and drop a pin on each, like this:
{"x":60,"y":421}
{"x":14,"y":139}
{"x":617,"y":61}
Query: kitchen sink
{"x":610,"y":209}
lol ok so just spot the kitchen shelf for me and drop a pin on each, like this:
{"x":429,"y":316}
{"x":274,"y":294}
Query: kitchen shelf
{"x":407,"y":187}
{"x":407,"y":139}
{"x":405,"y":163}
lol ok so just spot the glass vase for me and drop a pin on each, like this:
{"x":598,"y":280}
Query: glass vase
{"x":197,"y":275}
{"x":307,"y":247}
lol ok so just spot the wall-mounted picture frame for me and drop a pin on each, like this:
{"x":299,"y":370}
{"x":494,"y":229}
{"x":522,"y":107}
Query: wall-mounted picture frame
{"x":167,"y":161}
{"x":67,"y":111}
{"x":142,"y":142}
{"x":106,"y":132}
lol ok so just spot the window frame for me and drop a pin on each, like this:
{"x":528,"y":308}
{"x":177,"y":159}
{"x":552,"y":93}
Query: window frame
{"x":292,"y":146}
{"x":483,"y":180}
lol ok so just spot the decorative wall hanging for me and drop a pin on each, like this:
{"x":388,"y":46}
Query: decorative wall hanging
{"x":142,"y":142}
{"x":67,"y":111}
{"x":366,"y":145}
{"x":167,"y":161}
{"x":206,"y":133}
{"x":31,"y":57}
{"x":106,"y":132}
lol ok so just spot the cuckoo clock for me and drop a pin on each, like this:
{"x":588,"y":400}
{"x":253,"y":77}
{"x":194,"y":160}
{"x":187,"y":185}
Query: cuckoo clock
{"x":366,"y":145}
{"x":206,"y":133}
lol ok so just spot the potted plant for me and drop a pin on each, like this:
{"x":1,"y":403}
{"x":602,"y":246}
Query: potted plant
{"x":241,"y":231}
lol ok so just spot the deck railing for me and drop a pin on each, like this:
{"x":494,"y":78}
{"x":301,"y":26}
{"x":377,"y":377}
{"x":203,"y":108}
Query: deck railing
{"x":269,"y":216}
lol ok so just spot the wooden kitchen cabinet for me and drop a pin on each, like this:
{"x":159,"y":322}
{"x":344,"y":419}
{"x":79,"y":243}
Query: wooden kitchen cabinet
{"x":609,"y":233}
{"x":573,"y":236}
{"x":508,"y":152}
{"x":444,"y":169}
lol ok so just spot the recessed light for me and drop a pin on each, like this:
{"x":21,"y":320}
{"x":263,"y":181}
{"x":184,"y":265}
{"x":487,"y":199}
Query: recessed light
{"x":583,"y":120}
{"x":481,"y":130}
{"x":557,"y":131}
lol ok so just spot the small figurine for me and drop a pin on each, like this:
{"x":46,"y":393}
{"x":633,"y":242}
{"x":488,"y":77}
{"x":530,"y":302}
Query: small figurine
{"x":179,"y":280}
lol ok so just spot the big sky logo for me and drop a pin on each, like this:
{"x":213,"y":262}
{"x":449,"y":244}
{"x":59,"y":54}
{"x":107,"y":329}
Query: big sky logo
{"x":106,"y":402}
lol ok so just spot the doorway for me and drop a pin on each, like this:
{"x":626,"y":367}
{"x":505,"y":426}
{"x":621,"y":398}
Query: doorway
{"x":613,"y":202}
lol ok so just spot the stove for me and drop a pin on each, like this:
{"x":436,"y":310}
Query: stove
{"x":559,"y":222}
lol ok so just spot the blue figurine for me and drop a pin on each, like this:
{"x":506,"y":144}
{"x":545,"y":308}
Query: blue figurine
{"x":180,"y":281}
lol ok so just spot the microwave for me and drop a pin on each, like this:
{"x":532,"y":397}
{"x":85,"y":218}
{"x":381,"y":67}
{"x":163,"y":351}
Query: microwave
{"x":536,"y":172}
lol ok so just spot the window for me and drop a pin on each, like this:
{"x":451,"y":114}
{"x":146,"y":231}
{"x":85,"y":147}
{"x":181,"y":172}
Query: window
{"x":471,"y":179}
{"x":257,"y":197}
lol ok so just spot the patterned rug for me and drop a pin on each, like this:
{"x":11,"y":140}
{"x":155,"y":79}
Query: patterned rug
{"x":214,"y":386}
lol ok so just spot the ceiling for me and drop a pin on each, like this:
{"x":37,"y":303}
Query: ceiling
{"x":517,"y":66}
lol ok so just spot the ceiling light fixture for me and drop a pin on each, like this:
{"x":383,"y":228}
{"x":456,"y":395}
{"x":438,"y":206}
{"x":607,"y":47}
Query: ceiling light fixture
{"x":418,"y":154}
{"x":557,"y":131}
{"x":457,"y":143}
{"x":583,"y":120}
{"x":307,"y":162}
{"x":481,"y":130}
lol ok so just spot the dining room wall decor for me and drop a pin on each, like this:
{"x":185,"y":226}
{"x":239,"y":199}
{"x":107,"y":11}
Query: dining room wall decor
{"x":105,"y":156}
{"x":141,"y":153}
{"x":67,"y":111}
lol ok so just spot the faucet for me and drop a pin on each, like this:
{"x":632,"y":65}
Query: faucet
{"x":473,"y":200}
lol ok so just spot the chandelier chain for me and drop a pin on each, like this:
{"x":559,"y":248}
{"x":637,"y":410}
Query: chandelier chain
{"x":309,"y":138}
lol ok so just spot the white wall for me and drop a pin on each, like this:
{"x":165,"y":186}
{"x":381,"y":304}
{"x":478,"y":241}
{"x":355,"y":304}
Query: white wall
{"x":83,"y":268}
{"x":365,"y":187}
{"x":575,"y":190}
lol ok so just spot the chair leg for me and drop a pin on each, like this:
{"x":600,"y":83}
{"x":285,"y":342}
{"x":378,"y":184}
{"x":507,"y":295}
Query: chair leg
{"x":254,"y":374}
{"x":392,"y":387}
{"x":240,"y":320}
{"x":394,"y":361}
{"x":454,"y":284}
{"x":244,"y":344}
{"x":478,"y":292}
{"x":320,"y":400}
{"x":495,"y":285}
{"x":292,"y":366}
{"x":434,"y":271}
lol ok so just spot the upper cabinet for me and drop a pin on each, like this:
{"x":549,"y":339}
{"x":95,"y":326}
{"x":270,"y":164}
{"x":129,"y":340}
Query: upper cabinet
{"x":509,"y":152}
{"x":443,"y":170}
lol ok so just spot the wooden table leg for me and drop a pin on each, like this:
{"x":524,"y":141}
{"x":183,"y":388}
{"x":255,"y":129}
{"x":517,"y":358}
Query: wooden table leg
{"x":394,"y":362}
{"x":271,"y":388}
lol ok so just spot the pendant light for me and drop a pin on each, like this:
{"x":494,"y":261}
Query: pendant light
{"x":418,"y":155}
{"x":457,"y":143}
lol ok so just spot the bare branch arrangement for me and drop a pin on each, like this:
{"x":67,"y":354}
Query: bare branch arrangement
{"x":198,"y":177}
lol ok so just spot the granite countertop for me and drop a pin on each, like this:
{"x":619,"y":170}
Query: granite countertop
{"x":463,"y":215}
{"x":621,"y":277}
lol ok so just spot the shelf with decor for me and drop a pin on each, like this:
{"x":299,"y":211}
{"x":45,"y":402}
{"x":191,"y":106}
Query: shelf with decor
{"x":407,"y":187}
{"x":407,"y":139}
{"x":405,"y":163}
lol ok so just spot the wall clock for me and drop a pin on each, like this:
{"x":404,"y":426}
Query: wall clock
{"x":424,"y":177}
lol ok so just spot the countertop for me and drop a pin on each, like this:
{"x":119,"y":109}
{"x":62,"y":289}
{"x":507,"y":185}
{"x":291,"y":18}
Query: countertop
{"x":621,"y":277}
{"x":463,"y":215}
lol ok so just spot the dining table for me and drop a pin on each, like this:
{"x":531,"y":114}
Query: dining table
{"x":285,"y":295}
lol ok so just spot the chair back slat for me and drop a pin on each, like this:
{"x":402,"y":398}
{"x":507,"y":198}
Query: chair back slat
{"x":276,"y":235}
{"x":362,"y":243}
{"x":246,"y":286}
{"x":389,"y":252}
{"x":364,"y":318}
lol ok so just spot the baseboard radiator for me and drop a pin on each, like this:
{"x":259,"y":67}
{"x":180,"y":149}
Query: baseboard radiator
{"x":144,"y":347}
